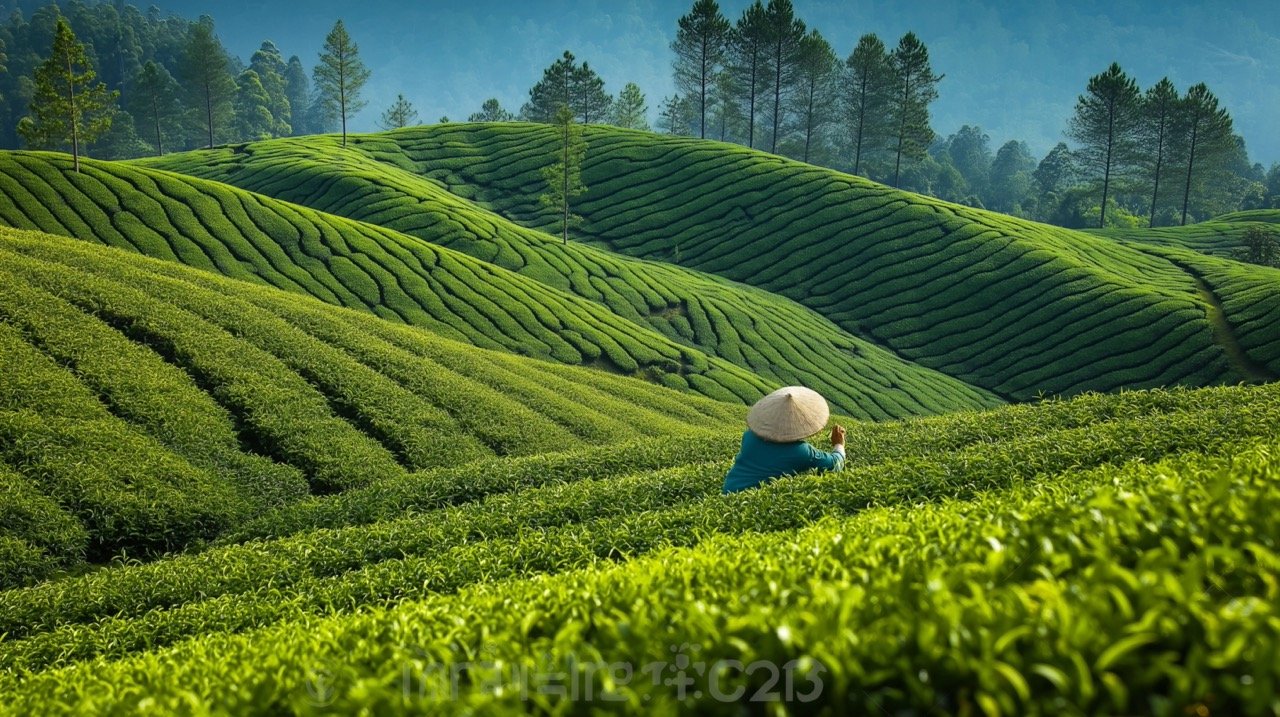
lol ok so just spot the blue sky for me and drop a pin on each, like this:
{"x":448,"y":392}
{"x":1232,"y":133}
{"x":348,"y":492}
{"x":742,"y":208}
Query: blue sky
{"x":1013,"y":68}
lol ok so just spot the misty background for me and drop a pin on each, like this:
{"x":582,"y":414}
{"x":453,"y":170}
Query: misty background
{"x":1015,"y":71}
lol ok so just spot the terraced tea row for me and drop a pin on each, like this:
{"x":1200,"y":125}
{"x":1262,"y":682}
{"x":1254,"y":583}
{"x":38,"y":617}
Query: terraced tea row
{"x":1049,"y":593}
{"x":220,"y":229}
{"x":1223,"y":236}
{"x":684,"y":330}
{"x":153,"y":405}
{"x":775,"y":338}
{"x":563,"y":526}
{"x":868,"y":443}
{"x":1012,"y":306}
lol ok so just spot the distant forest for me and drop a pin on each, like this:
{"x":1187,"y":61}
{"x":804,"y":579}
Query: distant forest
{"x":1156,"y":156}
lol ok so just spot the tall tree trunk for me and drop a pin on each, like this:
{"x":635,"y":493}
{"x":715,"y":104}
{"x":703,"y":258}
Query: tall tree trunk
{"x":1160,"y":160}
{"x":1155,"y":193}
{"x":902,"y":129}
{"x":777,"y":94}
{"x":1191,"y":163}
{"x":565,"y":187}
{"x":862,"y":125}
{"x":155,"y":111}
{"x":808,"y":129}
{"x":71,"y":98}
{"x":751,"y":108}
{"x":342,"y":94}
{"x":208,"y":107}
{"x":1106,"y":169}
{"x":702,"y":122}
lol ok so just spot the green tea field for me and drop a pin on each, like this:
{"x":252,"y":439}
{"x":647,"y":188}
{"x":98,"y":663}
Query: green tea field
{"x":679,"y":328}
{"x":289,"y":427}
{"x":1013,"y":307}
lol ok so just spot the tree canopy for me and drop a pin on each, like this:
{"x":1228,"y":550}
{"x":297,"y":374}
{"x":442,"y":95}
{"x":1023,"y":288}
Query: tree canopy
{"x":68,"y":106}
{"x":340,"y":76}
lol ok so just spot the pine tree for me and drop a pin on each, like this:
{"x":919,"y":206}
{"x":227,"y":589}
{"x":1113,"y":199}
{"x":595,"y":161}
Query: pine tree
{"x":629,"y":110}
{"x":784,"y":34}
{"x":817,"y":72}
{"x":567,"y":83}
{"x":1159,"y":108}
{"x":870,"y":87}
{"x":155,"y":98}
{"x":677,"y":115}
{"x":909,"y":110}
{"x":208,"y":80}
{"x":1106,"y":125}
{"x":728,"y":116}
{"x":491,"y":111}
{"x":340,"y":76}
{"x":588,"y":99}
{"x":564,"y":177}
{"x":700,"y":46}
{"x":1207,"y":138}
{"x":554,"y":90}
{"x":400,"y":114}
{"x":748,"y":54}
{"x":66,"y":104}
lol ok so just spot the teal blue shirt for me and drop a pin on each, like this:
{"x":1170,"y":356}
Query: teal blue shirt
{"x":760,"y":461}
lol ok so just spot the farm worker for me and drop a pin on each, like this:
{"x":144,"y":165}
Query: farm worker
{"x":773,"y":444}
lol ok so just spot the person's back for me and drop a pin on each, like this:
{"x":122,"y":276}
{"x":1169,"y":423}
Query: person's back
{"x":773,"y":444}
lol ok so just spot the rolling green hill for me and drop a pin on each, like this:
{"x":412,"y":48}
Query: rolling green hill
{"x":267,"y":445}
{"x":147,"y":406}
{"x":1011,"y":306}
{"x":1075,"y":532}
{"x":1266,"y":216}
{"x":1222,"y":236}
{"x":676,"y":327}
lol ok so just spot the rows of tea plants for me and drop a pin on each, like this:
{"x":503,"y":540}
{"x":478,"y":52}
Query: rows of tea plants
{"x":1013,"y":306}
{"x":567,"y":524}
{"x":867,"y":443}
{"x":218,"y":228}
{"x":675,"y":327}
{"x":86,"y":484}
{"x":1221,"y":237}
{"x":775,"y":338}
{"x":1130,"y":587}
{"x":147,"y":406}
{"x":1249,"y":302}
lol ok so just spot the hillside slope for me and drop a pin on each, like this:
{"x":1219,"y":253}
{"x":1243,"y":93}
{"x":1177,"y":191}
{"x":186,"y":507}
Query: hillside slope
{"x":147,"y":406}
{"x":1050,"y":536}
{"x":1222,"y":236}
{"x":1012,"y":306}
{"x":686,"y":331}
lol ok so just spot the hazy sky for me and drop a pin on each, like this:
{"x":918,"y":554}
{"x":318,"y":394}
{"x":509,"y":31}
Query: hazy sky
{"x":1013,"y":68}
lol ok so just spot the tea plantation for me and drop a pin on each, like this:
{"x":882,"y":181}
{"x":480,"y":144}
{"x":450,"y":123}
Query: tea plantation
{"x":1223,"y":236}
{"x":148,"y":406}
{"x":1011,"y":306}
{"x":292,"y":429}
{"x":676,"y":327}
{"x":1105,"y":554}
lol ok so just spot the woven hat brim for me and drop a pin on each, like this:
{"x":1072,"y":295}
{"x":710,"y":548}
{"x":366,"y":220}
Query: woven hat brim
{"x":788,"y":414}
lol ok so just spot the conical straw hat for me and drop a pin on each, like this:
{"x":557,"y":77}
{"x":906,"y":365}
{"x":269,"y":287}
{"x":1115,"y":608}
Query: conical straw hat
{"x":788,"y":414}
